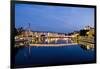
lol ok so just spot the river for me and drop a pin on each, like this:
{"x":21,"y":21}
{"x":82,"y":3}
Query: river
{"x":53,"y":55}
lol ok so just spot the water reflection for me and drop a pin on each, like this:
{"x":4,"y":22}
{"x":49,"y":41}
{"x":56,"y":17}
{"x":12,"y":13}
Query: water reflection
{"x":43,"y":40}
{"x":84,"y":44}
{"x":57,"y":41}
{"x":82,"y":52}
{"x":87,"y":47}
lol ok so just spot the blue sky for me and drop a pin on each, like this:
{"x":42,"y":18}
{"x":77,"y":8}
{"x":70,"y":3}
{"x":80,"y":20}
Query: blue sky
{"x":53,"y":18}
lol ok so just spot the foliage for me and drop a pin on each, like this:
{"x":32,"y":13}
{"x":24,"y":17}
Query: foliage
{"x":83,"y":32}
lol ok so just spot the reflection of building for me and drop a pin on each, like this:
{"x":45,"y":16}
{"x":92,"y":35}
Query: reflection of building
{"x":87,"y":47}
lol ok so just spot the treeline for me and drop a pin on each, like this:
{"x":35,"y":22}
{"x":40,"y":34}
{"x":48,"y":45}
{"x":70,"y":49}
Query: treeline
{"x":82,"y":32}
{"x":18,"y":31}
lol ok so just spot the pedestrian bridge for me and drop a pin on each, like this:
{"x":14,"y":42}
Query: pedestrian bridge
{"x":53,"y":44}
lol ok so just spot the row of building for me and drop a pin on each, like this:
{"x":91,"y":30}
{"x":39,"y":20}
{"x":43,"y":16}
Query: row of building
{"x":29,"y":33}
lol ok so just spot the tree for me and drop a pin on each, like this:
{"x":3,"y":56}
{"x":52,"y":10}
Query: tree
{"x":83,"y":32}
{"x":20,"y":30}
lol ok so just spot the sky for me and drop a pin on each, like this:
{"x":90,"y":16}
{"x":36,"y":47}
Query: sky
{"x":53,"y":18}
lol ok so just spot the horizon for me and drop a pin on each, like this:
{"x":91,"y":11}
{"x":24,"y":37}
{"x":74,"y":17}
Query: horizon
{"x":54,"y":31}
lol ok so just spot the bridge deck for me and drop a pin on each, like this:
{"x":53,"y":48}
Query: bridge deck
{"x":53,"y":44}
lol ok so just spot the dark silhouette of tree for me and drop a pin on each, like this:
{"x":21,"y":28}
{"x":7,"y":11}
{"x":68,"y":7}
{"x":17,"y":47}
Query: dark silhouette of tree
{"x":70,"y":33}
{"x":93,"y":35}
{"x":20,"y":30}
{"x":15,"y":31}
{"x":83,"y":32}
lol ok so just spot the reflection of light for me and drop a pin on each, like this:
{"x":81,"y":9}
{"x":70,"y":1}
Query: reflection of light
{"x":55,"y":40}
{"x":65,"y":38}
{"x":46,"y":40}
{"x":88,"y":47}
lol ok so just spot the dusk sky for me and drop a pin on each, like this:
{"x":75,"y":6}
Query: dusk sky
{"x":53,"y":18}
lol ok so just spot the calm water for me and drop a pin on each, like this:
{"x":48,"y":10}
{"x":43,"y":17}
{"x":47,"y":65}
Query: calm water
{"x":53,"y":55}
